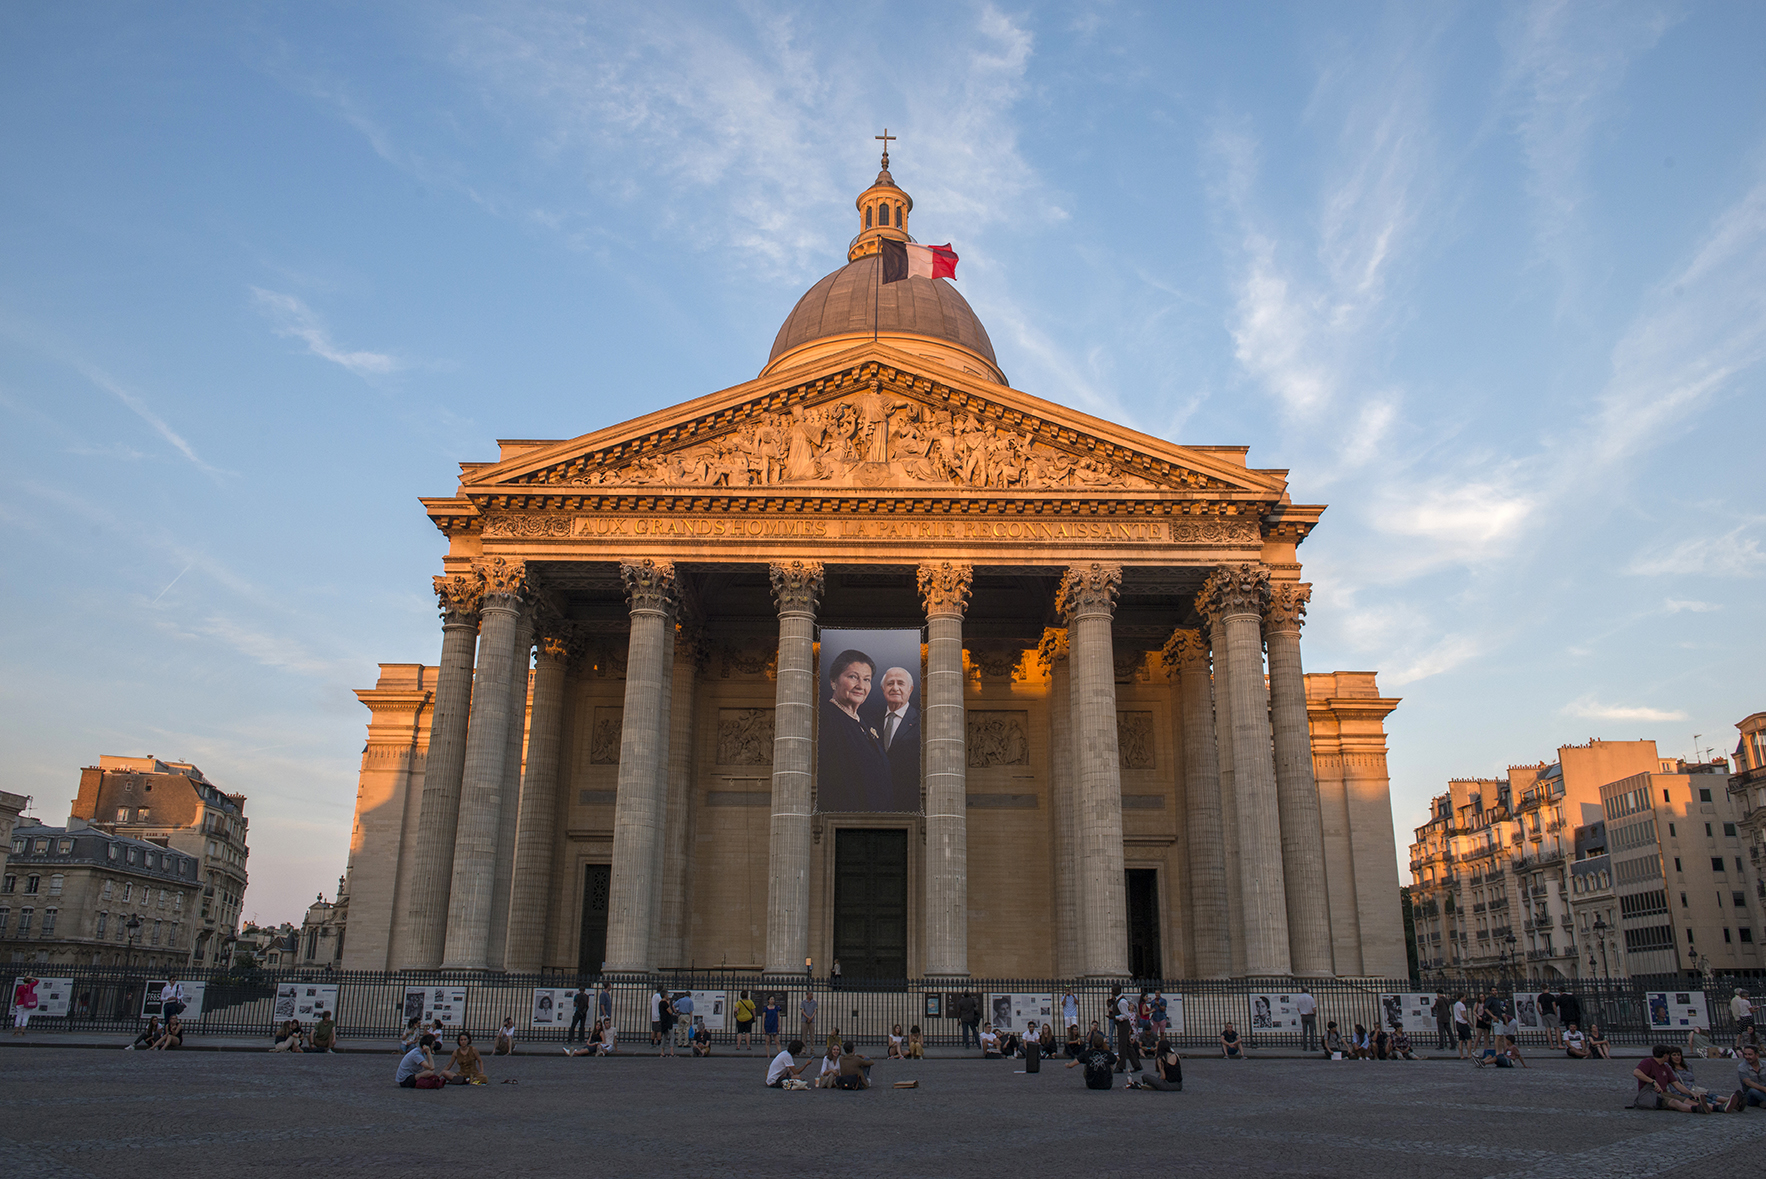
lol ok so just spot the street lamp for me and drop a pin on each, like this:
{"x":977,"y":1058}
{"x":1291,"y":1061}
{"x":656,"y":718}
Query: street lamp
{"x":1600,"y":936}
{"x":133,"y":925}
{"x":1508,"y":954}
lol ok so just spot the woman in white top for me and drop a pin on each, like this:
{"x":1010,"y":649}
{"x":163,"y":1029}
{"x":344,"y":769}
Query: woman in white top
{"x":830,"y":1067}
{"x":990,"y":1043}
{"x":895,"y":1043}
{"x":505,"y":1043}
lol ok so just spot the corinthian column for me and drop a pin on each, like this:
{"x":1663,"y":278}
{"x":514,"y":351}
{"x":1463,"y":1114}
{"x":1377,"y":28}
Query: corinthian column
{"x":487,"y":751}
{"x":1309,"y":913}
{"x":1087,"y":599}
{"x":1187,"y":651}
{"x":1053,"y":652}
{"x":1229,"y":802}
{"x":1236,"y":596}
{"x":642,"y":797}
{"x":508,"y":811}
{"x":425,"y":925}
{"x":944,"y":588}
{"x":797,"y":585}
{"x":537,"y":825}
{"x":674,"y":916}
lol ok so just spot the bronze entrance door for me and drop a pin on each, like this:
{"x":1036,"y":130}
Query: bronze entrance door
{"x":871,"y":903}
{"x":592,"y":948}
{"x":1144,"y":958}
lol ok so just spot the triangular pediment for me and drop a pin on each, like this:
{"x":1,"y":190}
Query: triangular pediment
{"x":872,"y":420}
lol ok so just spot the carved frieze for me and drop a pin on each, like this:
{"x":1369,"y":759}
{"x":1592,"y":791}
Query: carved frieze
{"x":527,"y":524}
{"x":1215,"y":532}
{"x":751,"y":659}
{"x":1134,"y":740}
{"x":1129,"y":664}
{"x":995,"y":661}
{"x":604,"y":732}
{"x":999,"y":738}
{"x":744,"y":736}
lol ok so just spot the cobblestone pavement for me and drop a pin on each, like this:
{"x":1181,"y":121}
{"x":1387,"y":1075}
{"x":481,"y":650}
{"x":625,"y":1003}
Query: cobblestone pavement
{"x":68,"y":1113}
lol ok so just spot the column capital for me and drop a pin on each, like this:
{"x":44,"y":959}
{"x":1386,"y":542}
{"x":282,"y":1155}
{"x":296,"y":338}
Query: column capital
{"x":1286,"y":608}
{"x":460,"y":595}
{"x":1052,"y":649}
{"x":1185,"y":648}
{"x":505,"y":582}
{"x":1232,"y":590}
{"x":944,"y":587}
{"x":797,"y":586}
{"x":558,"y":638}
{"x":691,"y":644}
{"x":649,"y":585}
{"x":1089,"y":589}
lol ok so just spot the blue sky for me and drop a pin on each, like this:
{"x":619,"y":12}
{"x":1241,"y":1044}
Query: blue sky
{"x":1489,"y":279}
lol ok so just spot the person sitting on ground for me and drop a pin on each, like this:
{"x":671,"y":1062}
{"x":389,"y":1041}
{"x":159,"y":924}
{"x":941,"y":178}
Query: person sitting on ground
{"x":465,"y":1066}
{"x":593,"y":1047}
{"x":1010,"y":1044}
{"x":1167,"y":1071}
{"x":173,"y":1037}
{"x":1753,"y":1083}
{"x":1098,"y":1062}
{"x":1074,"y":1044}
{"x":1358,"y":1045}
{"x":897,"y":1042}
{"x":418,"y":1062}
{"x":701,"y":1038}
{"x":990,"y":1043}
{"x":149,"y":1037}
{"x":830,"y":1068}
{"x":1032,"y":1037}
{"x":1683,"y":1073}
{"x":782,"y":1069}
{"x":1598,"y":1044}
{"x":854,"y":1069}
{"x":1659,"y":1088}
{"x":1511,"y":1047}
{"x":288,"y":1037}
{"x":1747,"y":1038}
{"x":1048,"y":1040}
{"x":414,"y":1034}
{"x":1230,"y":1048}
{"x":1575,"y":1043}
{"x":916,"y":1043}
{"x":504,"y":1044}
{"x":1698,"y":1043}
{"x":324,"y":1037}
{"x":1333,"y":1040}
{"x":1401,"y":1044}
{"x":1382,"y":1041}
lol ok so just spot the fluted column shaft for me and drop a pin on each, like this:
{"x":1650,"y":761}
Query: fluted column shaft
{"x":1062,"y":804}
{"x":1088,"y":600}
{"x":1236,"y":595}
{"x":797,"y":585}
{"x":1309,"y":914}
{"x":537,"y":824}
{"x":508,"y":812}
{"x":944,"y":588}
{"x":1229,"y":800}
{"x":423,"y":932}
{"x":674,"y":917}
{"x":487,"y":751}
{"x":1209,"y":915}
{"x":642,"y":794}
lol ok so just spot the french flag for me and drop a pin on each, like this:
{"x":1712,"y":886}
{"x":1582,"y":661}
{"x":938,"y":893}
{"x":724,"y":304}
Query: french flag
{"x":906,"y":260}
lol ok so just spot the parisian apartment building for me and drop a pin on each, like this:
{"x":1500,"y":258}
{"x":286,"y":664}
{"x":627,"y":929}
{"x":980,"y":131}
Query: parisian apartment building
{"x":1609,"y":861}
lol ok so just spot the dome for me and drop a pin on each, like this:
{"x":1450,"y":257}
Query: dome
{"x":841,"y":308}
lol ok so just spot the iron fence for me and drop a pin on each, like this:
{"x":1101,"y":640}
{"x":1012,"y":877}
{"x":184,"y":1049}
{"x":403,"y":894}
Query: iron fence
{"x":375,"y":1006}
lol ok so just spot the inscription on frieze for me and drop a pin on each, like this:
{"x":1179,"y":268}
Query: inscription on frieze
{"x":744,"y":736}
{"x":998,"y":739}
{"x":1053,"y":531}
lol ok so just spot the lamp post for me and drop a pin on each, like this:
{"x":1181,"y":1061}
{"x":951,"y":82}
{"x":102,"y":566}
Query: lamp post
{"x":133,"y":925}
{"x":1600,"y":936}
{"x":1508,"y":955}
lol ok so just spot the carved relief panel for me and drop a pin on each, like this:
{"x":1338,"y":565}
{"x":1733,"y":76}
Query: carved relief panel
{"x":745,"y":736}
{"x":998,"y":739}
{"x":604,"y":735}
{"x":1134,"y":740}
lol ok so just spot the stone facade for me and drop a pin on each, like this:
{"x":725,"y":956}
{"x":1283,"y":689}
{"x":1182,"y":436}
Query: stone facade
{"x":1094,"y":605}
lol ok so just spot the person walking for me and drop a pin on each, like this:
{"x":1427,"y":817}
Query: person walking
{"x":1443,"y":1013}
{"x":1308,"y":1010}
{"x":744,"y":1021}
{"x":579,"y":1016}
{"x":1462,"y":1026}
{"x":172,"y":1000}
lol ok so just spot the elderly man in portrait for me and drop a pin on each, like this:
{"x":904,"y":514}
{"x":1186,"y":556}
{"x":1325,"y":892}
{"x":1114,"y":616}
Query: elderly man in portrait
{"x":900,"y":727}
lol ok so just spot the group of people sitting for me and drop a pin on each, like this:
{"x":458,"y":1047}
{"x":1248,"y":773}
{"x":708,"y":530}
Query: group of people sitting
{"x":417,"y":1068}
{"x":909,"y":1047}
{"x":157,"y":1037}
{"x":1005,"y":1044}
{"x":1699,"y":1042}
{"x":293,"y":1037}
{"x":1100,"y":1064}
{"x":1362,"y":1044}
{"x":1665,"y":1081}
{"x":843,"y":1067}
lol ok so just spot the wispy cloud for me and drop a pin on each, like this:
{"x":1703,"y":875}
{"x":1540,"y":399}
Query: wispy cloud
{"x":292,"y":318}
{"x":1676,"y":606}
{"x":139,"y":407}
{"x":1592,"y":709}
{"x":1729,"y":555}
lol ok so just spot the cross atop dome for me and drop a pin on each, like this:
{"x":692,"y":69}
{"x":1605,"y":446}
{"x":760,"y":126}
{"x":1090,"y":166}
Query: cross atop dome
{"x":883,"y":210}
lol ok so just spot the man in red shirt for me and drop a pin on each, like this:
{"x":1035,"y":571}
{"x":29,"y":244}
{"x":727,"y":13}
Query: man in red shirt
{"x":1659,"y":1088}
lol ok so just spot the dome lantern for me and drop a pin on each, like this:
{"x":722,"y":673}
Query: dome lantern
{"x":883,"y":210}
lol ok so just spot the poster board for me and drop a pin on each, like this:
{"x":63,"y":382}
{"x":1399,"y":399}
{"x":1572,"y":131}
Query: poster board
{"x":709,"y":1008}
{"x":52,"y":995}
{"x":429,"y":1004}
{"x":193,"y":992}
{"x":1273,"y":1011}
{"x":303,"y":1001}
{"x":1014,"y":1012}
{"x":1524,"y":1011}
{"x":1173,"y":1014}
{"x":866,"y":762}
{"x":1414,"y":1011}
{"x":1677,"y":1010}
{"x":555,"y":1007}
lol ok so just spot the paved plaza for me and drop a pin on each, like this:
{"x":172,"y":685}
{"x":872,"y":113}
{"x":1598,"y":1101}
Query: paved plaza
{"x":72,"y":1113}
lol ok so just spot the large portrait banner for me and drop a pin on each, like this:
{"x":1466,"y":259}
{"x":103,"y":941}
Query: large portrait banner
{"x":868,"y":723}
